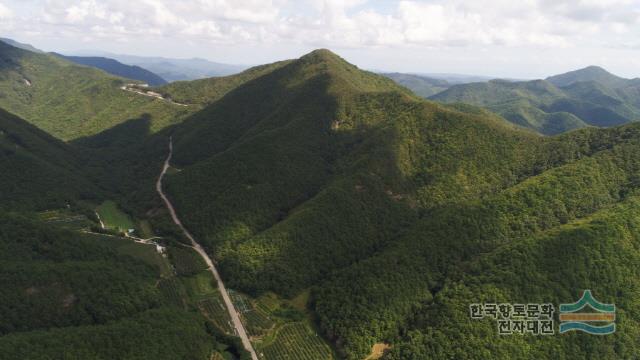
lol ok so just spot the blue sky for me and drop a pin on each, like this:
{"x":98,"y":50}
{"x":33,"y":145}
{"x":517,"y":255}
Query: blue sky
{"x":505,"y":38}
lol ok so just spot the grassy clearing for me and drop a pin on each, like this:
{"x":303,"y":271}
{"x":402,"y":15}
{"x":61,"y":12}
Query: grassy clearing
{"x":113,"y":217}
{"x":200,"y":286}
{"x":300,"y":302}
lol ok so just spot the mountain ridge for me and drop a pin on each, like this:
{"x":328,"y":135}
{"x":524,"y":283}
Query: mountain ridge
{"x":586,"y":97}
{"x":117,"y":68}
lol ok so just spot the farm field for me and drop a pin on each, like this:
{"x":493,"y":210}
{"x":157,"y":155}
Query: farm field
{"x":173,"y":291}
{"x":279,"y":328}
{"x":66,"y":219}
{"x":213,"y":308}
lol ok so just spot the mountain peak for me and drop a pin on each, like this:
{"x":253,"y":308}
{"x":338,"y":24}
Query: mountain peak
{"x":322,"y":55}
{"x":589,"y":73}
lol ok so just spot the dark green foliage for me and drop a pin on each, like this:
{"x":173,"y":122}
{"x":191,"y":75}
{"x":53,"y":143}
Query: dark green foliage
{"x":597,"y":253}
{"x":392,"y":290}
{"x":38,"y":171}
{"x":156,"y":334}
{"x":186,"y":260}
{"x":55,"y":278}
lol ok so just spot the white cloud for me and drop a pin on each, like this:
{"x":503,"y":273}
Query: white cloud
{"x":5,"y":12}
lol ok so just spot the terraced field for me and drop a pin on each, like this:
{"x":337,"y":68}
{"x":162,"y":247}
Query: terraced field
{"x":296,"y":341}
{"x":214,"y":309}
{"x":173,"y":291}
{"x":257,"y":322}
{"x":186,"y":261}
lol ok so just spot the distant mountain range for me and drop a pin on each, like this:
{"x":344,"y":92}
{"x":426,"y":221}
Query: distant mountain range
{"x":175,"y":69}
{"x":115,"y":67}
{"x":152,"y":70}
{"x":427,"y":85}
{"x":421,"y":85}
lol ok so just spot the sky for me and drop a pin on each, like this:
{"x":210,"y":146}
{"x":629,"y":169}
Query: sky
{"x":502,"y":38}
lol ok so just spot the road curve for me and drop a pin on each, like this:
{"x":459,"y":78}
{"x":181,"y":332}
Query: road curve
{"x":237,"y":324}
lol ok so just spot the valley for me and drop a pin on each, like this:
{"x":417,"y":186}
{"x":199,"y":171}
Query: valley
{"x":238,"y":327}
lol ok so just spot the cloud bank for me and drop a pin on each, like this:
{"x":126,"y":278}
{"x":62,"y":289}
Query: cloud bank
{"x":347,"y":23}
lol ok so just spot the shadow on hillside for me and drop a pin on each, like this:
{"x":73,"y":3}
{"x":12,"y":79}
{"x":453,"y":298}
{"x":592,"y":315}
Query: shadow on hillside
{"x":125,"y":160}
{"x":124,"y":134}
{"x":11,"y":57}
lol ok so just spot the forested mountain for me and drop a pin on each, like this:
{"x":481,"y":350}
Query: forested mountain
{"x":398,"y":212}
{"x":587,"y":97}
{"x":117,"y":68}
{"x":70,"y":101}
{"x":313,"y":178}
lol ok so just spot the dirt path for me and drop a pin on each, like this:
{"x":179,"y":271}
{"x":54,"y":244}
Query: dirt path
{"x":99,"y":219}
{"x":235,"y":318}
{"x":131,"y":88}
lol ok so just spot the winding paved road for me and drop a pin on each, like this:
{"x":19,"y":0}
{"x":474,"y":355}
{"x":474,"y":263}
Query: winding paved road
{"x":237,"y":324}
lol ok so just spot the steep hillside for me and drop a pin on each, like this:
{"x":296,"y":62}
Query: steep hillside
{"x":39,"y":171}
{"x":20,"y":45}
{"x":117,"y":68}
{"x":316,"y":175}
{"x":587,"y":98}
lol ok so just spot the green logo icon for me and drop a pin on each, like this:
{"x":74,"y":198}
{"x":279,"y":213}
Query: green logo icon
{"x":604,"y":316}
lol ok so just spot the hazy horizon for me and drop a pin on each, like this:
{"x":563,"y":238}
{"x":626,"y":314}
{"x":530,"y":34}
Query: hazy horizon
{"x":530,"y":40}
